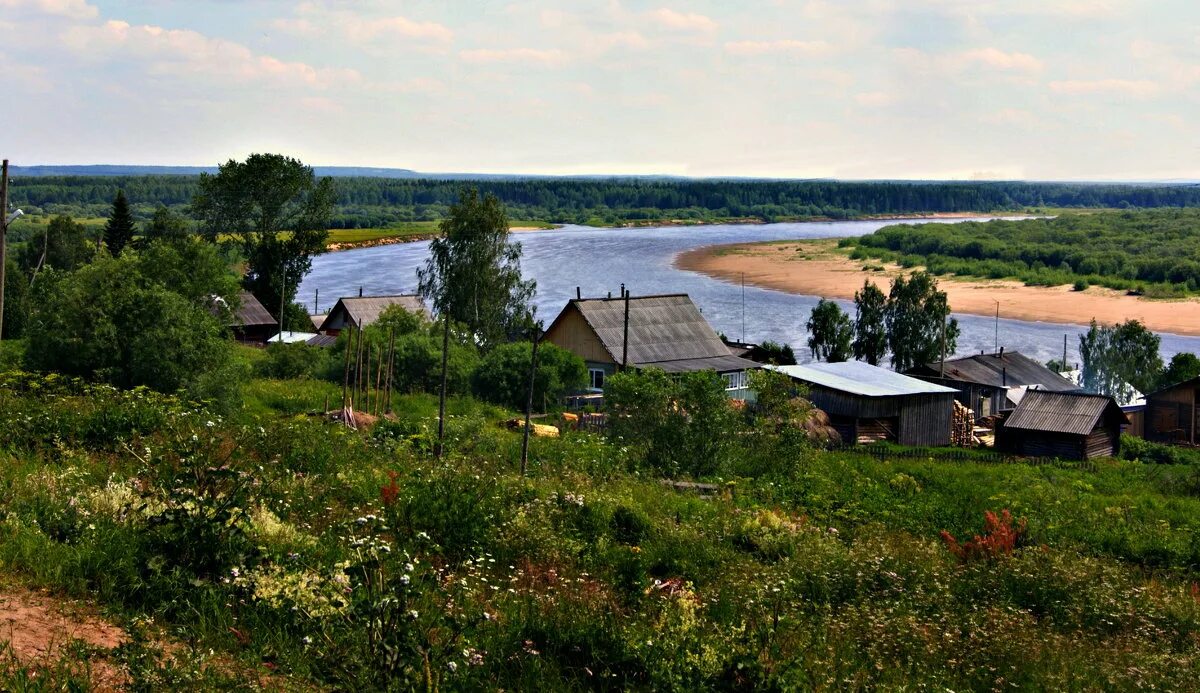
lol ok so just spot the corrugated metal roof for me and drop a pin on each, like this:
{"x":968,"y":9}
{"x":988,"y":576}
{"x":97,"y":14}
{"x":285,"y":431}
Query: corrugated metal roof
{"x":364,"y":310}
{"x":318,"y":320}
{"x":251,"y":312}
{"x":862,"y":379}
{"x":1013,"y":369}
{"x":720,"y":364}
{"x":290,"y":337}
{"x":322,"y":340}
{"x":1059,"y":412}
{"x":661,"y":328}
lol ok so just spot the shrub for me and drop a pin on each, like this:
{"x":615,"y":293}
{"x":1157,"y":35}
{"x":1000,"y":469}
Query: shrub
{"x":290,"y":361}
{"x":1080,"y":285}
{"x":1000,"y":538}
{"x":503,"y":375}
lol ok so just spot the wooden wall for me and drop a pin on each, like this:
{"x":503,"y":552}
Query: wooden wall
{"x":1170,"y":415}
{"x":923,"y":420}
{"x":1103,"y":441}
{"x":573,"y":333}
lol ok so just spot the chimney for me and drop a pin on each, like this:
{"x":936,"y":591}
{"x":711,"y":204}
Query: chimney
{"x":1001,"y":353}
{"x":622,"y":289}
{"x":578,"y":294}
{"x":1004,"y":377}
{"x":610,"y":295}
{"x":360,"y":292}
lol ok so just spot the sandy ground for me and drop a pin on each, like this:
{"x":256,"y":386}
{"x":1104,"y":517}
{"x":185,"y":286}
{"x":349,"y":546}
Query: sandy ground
{"x":816,"y":268}
{"x":39,"y":627}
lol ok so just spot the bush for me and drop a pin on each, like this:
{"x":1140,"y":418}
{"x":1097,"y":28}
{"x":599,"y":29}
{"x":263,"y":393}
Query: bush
{"x":289,"y":361}
{"x":1080,"y":285}
{"x":502,"y":376}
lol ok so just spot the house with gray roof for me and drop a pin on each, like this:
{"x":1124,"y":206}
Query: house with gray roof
{"x":361,"y":311}
{"x":868,"y":404}
{"x":665,"y":331}
{"x":1066,"y":425}
{"x":985,"y":381}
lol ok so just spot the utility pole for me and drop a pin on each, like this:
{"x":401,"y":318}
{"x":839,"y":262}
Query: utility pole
{"x":743,"y":339}
{"x":997,"y":325}
{"x":942,"y":368}
{"x":1064,"y":361}
{"x":282,"y":301}
{"x":442,"y":395}
{"x":3,"y":238}
{"x":625,"y":338}
{"x":537,"y":337}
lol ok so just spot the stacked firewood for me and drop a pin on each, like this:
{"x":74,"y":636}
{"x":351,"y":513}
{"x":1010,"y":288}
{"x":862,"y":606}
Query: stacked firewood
{"x":962,"y":427}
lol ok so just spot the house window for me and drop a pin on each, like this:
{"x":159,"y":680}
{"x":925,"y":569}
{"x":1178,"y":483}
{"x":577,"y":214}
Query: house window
{"x":596,"y":378}
{"x":735,"y":380}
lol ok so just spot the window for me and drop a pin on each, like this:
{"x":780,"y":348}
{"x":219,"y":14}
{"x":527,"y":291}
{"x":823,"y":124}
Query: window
{"x":735,"y":380}
{"x":596,"y":378}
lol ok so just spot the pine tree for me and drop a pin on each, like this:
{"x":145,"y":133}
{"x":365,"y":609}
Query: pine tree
{"x":118,"y":232}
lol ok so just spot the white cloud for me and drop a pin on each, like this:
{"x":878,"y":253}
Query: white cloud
{"x":73,"y":9}
{"x":314,"y":20}
{"x":783,"y":46}
{"x":682,"y":21}
{"x":1000,"y":60}
{"x":184,"y":52}
{"x":1011,"y":116}
{"x":1109,"y":87}
{"x":528,"y":56}
{"x":874,"y":99}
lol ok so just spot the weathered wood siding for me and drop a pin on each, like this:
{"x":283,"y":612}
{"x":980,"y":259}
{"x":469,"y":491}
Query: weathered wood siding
{"x":1171,"y":415}
{"x":1101,"y":442}
{"x":926,"y":420}
{"x":574,"y":334}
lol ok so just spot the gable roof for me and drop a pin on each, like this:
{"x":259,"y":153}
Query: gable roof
{"x":665,"y":331}
{"x":863,"y":379}
{"x":1007,"y":369}
{"x":1190,"y":382}
{"x":361,"y":311}
{"x":1060,"y":412}
{"x":251,"y":312}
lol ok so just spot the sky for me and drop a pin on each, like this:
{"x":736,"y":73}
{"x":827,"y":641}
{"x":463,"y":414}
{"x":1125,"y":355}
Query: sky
{"x":852,"y":89}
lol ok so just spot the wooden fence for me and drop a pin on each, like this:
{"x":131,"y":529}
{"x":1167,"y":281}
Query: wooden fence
{"x":885,"y":453}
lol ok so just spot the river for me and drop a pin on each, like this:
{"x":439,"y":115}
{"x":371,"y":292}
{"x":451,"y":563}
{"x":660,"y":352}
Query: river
{"x":600,"y":260}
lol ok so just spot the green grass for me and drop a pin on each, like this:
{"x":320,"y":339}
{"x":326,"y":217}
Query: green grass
{"x":358,"y":559}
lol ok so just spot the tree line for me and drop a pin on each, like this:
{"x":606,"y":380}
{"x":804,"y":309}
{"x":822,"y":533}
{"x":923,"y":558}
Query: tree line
{"x":1151,"y":251}
{"x":376,"y":202}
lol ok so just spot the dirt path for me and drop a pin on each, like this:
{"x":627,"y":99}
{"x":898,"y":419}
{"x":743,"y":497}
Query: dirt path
{"x":817,"y":268}
{"x":40,"y":628}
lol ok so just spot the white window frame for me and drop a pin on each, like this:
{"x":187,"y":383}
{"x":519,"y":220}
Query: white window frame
{"x":592,"y":374}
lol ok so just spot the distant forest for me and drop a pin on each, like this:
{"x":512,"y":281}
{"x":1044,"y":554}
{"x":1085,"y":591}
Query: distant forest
{"x":380,"y":202}
{"x":1156,"y":252}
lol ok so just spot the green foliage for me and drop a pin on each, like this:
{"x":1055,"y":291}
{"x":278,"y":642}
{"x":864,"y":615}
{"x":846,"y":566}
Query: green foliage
{"x":274,"y":206}
{"x":1118,"y":250}
{"x":918,"y":322}
{"x":292,"y":361}
{"x":119,"y":229}
{"x":110,"y":321}
{"x":676,"y":424}
{"x":473,"y":273}
{"x":830,"y":332}
{"x":64,"y":245}
{"x":1118,"y":357}
{"x":165,"y":225}
{"x":502,"y":376}
{"x":778,"y":354}
{"x":16,"y":297}
{"x":1183,"y":366}
{"x":870,"y":327}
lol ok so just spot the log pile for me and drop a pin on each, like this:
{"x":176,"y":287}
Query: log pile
{"x":962,"y":426}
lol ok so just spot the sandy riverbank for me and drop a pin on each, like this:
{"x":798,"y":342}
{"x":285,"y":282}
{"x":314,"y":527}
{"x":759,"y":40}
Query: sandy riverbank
{"x":818,"y":268}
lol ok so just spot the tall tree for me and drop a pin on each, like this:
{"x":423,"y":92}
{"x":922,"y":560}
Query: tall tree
{"x":118,"y":231}
{"x":916,"y":316}
{"x":63,"y":245}
{"x":279,"y":212}
{"x":473,"y":273}
{"x":870,"y":329}
{"x":829,"y":332}
{"x":165,"y":225}
{"x":1119,"y":358}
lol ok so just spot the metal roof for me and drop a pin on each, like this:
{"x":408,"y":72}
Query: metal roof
{"x":361,"y":311}
{"x":1009,"y":369}
{"x":322,"y":340}
{"x":251,"y":312}
{"x":862,"y":379}
{"x":290,"y":337}
{"x":1060,"y":412}
{"x":720,"y":364}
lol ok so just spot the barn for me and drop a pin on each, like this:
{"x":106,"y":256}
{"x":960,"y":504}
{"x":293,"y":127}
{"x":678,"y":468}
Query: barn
{"x":665,"y":331}
{"x":984,"y":380}
{"x":1066,"y":425}
{"x":868,"y":404}
{"x":361,"y":311}
{"x":251,"y":323}
{"x":1171,"y":413}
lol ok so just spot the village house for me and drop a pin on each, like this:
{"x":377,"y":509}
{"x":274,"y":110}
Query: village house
{"x":1066,"y":425}
{"x":1171,"y":413}
{"x":666,"y":332}
{"x":868,"y":404}
{"x":251,"y":323}
{"x":990,"y":383}
{"x":360,"y":311}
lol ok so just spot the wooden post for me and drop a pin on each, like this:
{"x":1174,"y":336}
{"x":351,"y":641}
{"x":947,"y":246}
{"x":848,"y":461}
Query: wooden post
{"x":391,"y":367}
{"x":366,"y":381}
{"x":3,"y":238}
{"x":282,"y":303}
{"x":625,"y":337}
{"x":378,"y":375}
{"x":942,"y":368}
{"x":346,"y":370}
{"x":537,"y":337}
{"x":437,"y":450}
{"x":358,"y":369}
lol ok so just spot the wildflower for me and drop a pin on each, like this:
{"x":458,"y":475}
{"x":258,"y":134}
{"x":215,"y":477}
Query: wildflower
{"x":408,"y":567}
{"x":452,"y":666}
{"x":413,"y":614}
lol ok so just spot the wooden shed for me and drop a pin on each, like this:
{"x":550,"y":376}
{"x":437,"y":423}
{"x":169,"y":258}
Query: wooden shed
{"x":869,"y":404}
{"x":666,"y":332}
{"x":1171,"y":414}
{"x":251,"y":323}
{"x":1066,"y":425}
{"x":984,"y":380}
{"x":361,"y":311}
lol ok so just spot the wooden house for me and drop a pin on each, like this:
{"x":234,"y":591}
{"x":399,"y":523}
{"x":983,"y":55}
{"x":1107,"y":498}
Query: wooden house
{"x":251,"y":323}
{"x":1066,"y":425}
{"x":983,"y":381}
{"x":666,"y":332}
{"x":361,"y":311}
{"x":868,"y":404}
{"x":1171,"y":414}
